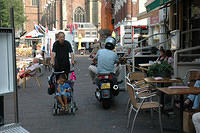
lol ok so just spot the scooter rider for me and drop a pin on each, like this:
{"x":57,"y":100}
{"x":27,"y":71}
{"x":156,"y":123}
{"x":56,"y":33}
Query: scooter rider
{"x":106,"y":59}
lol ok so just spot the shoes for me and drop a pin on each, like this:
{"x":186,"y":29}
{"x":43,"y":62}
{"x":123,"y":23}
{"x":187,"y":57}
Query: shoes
{"x":62,"y":108}
{"x":187,"y":104}
{"x":66,"y":108}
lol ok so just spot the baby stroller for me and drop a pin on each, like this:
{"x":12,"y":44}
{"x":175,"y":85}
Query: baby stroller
{"x":52,"y":90}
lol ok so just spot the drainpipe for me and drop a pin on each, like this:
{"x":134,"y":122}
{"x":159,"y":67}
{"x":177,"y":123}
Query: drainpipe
{"x":177,"y":14}
{"x":61,"y":15}
{"x":38,"y":5}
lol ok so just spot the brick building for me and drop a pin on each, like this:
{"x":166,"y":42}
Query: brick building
{"x":54,"y":13}
{"x":33,"y":12}
{"x":125,"y":19}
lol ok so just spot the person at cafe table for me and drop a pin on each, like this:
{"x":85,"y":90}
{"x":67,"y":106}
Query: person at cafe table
{"x":162,"y":55}
{"x":193,"y":101}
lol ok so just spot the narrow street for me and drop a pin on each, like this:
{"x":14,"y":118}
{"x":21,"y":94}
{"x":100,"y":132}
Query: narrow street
{"x":35,"y":109}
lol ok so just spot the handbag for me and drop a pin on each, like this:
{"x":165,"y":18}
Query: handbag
{"x":51,"y":89}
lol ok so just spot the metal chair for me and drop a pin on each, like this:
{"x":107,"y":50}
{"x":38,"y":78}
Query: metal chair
{"x":137,"y":106}
{"x":137,"y":80}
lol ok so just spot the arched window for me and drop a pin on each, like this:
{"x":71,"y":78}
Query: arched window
{"x":79,"y":15}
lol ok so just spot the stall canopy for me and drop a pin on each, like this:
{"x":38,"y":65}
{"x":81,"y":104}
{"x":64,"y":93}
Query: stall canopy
{"x":34,"y":34}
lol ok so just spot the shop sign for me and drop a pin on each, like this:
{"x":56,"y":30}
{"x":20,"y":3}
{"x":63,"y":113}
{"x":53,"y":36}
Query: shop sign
{"x":154,"y":19}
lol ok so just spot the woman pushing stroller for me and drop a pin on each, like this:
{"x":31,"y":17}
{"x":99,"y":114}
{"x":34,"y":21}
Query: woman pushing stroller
{"x":63,"y":92}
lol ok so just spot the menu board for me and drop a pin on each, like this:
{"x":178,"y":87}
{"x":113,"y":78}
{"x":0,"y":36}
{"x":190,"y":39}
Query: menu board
{"x":7,"y":61}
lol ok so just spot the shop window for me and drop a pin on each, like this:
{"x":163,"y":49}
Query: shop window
{"x":94,"y":33}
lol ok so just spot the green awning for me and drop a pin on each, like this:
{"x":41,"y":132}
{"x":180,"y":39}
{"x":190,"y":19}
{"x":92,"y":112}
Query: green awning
{"x":156,"y":3}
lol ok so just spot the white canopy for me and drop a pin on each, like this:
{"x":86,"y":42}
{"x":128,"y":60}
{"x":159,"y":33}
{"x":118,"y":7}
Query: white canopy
{"x":34,"y":34}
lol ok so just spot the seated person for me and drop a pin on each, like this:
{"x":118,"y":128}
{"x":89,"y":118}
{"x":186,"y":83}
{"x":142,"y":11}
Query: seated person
{"x":129,"y":53}
{"x":196,"y":121}
{"x":95,"y":49}
{"x":30,"y":70}
{"x":169,"y":57}
{"x":138,"y":52}
{"x":162,"y":55}
{"x":63,"y":91}
{"x":193,"y":101}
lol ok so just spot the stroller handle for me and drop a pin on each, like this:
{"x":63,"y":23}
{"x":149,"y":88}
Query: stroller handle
{"x":56,"y":73}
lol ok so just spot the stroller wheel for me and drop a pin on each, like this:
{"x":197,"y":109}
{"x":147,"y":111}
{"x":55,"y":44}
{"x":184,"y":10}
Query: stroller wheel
{"x":73,"y":110}
{"x":57,"y":111}
{"x":54,"y":112}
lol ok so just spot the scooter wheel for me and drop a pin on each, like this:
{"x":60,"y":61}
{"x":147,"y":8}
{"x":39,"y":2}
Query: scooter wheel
{"x":106,"y":103}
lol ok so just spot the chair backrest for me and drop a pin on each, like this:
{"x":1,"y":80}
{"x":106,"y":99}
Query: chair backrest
{"x":36,"y":70}
{"x":134,"y":76}
{"x":191,"y":76}
{"x":131,"y":93}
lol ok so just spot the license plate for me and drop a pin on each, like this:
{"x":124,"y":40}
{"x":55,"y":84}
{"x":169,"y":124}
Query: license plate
{"x":105,"y":86}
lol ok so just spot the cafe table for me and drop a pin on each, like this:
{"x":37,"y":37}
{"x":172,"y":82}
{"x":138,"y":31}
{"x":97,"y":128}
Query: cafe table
{"x":162,"y":80}
{"x":180,"y":90}
{"x":145,"y":65}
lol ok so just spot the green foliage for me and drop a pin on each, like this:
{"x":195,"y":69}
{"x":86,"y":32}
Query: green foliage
{"x":19,"y":17}
{"x":160,"y":69}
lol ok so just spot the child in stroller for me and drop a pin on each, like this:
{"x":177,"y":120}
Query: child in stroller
{"x":63,"y":90}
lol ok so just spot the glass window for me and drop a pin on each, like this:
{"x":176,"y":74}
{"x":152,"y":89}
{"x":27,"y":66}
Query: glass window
{"x":87,"y":33}
{"x":34,"y":2}
{"x":94,"y":33}
{"x":137,"y":30}
{"x":79,"y":15}
{"x":144,"y":31}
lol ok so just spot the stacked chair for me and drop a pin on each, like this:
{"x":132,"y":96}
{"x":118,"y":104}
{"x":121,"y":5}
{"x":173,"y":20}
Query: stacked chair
{"x":140,"y":97}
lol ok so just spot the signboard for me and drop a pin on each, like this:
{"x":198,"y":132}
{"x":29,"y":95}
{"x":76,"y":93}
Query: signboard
{"x":175,"y":39}
{"x":154,"y":19}
{"x":127,"y":35}
{"x":7,"y":61}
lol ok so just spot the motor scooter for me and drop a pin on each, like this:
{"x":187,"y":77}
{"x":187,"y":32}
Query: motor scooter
{"x":107,"y":87}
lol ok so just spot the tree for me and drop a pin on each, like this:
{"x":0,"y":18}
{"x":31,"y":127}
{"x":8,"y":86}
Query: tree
{"x":19,"y":17}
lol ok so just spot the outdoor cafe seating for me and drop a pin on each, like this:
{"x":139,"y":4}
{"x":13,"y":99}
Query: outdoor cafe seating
{"x":173,"y":86}
{"x":137,"y":106}
{"x":36,"y":76}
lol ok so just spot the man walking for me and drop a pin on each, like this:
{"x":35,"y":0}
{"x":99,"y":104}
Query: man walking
{"x":60,"y":54}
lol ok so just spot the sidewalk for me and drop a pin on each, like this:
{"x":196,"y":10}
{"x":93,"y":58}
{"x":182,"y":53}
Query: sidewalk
{"x":35,"y":109}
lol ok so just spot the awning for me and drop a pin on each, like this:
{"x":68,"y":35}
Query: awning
{"x":153,"y":7}
{"x":34,"y":34}
{"x":153,"y":4}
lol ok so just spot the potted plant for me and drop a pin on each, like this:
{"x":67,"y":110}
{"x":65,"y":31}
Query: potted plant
{"x":160,"y":69}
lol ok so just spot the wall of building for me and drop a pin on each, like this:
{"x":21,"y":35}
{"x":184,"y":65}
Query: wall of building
{"x":106,"y":17}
